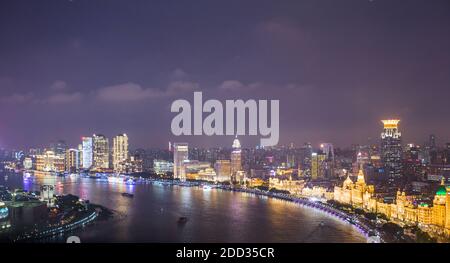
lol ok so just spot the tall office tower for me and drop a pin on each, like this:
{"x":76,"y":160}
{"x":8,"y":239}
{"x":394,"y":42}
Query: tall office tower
{"x":328,"y":150}
{"x":88,"y":151}
{"x":411,"y":162}
{"x":100,"y":152}
{"x":223,"y":170}
{"x":180,"y":156}
{"x":329,"y":165}
{"x":317,"y":166}
{"x":236,"y":157}
{"x":391,"y":150}
{"x":432,"y":150}
{"x":120,"y":151}
{"x":80,"y":155}
{"x":72,"y":160}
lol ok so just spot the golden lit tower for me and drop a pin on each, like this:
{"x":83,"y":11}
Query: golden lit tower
{"x":100,"y":152}
{"x":391,"y":150}
{"x":120,"y":151}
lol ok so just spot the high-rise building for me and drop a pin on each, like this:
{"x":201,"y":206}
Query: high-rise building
{"x":80,"y":155}
{"x":328,"y":150}
{"x":432,"y":150}
{"x":88,"y":151}
{"x":120,"y":151}
{"x":317,"y":166}
{"x":391,"y":150}
{"x":223,"y":170}
{"x":100,"y":152}
{"x":236,"y":158}
{"x":72,"y":160}
{"x":180,"y":156}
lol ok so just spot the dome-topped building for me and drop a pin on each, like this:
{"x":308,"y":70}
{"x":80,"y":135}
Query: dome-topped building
{"x":442,"y":190}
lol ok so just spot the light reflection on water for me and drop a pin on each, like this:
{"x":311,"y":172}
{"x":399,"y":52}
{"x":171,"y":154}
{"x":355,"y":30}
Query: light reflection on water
{"x":213,"y":215}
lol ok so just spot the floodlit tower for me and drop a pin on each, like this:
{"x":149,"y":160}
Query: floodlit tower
{"x":391,"y":150}
{"x":180,"y":156}
{"x":120,"y":152}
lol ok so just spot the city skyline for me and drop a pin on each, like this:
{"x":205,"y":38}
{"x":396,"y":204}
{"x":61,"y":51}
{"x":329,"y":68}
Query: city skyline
{"x":252,"y":143}
{"x":68,"y":69}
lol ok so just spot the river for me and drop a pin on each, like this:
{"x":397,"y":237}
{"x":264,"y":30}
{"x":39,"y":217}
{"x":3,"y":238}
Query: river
{"x":214,"y":215}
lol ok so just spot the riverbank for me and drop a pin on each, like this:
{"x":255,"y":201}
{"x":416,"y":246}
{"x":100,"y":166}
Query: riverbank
{"x":370,"y":232}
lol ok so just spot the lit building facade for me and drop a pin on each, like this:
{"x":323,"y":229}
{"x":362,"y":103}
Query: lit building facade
{"x":100,"y":152}
{"x":403,"y":210}
{"x":162,"y":167}
{"x":180,"y":155}
{"x":50,"y":162}
{"x":120,"y":152}
{"x":391,"y":150}
{"x":292,"y":186}
{"x":317,"y":166}
{"x":223,"y":170}
{"x":87,"y":154}
{"x":357,"y":194}
{"x":72,"y":160}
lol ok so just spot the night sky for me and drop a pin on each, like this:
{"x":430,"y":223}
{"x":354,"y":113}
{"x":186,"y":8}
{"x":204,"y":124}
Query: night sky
{"x":74,"y":68}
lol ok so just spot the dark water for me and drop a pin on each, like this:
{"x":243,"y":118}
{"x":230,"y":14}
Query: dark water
{"x":213,"y":215}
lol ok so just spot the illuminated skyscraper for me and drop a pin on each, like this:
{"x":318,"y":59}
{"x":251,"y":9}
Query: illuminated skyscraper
{"x":236,"y":158}
{"x":120,"y":151}
{"x":87,"y":154}
{"x":180,"y":155}
{"x":327,"y":149}
{"x":391,"y":150}
{"x":80,"y":155}
{"x":72,"y":160}
{"x":317,"y":166}
{"x":100,"y":152}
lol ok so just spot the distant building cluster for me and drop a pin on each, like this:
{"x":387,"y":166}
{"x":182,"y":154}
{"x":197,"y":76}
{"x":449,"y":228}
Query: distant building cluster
{"x":93,"y":154}
{"x":221,"y":170}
